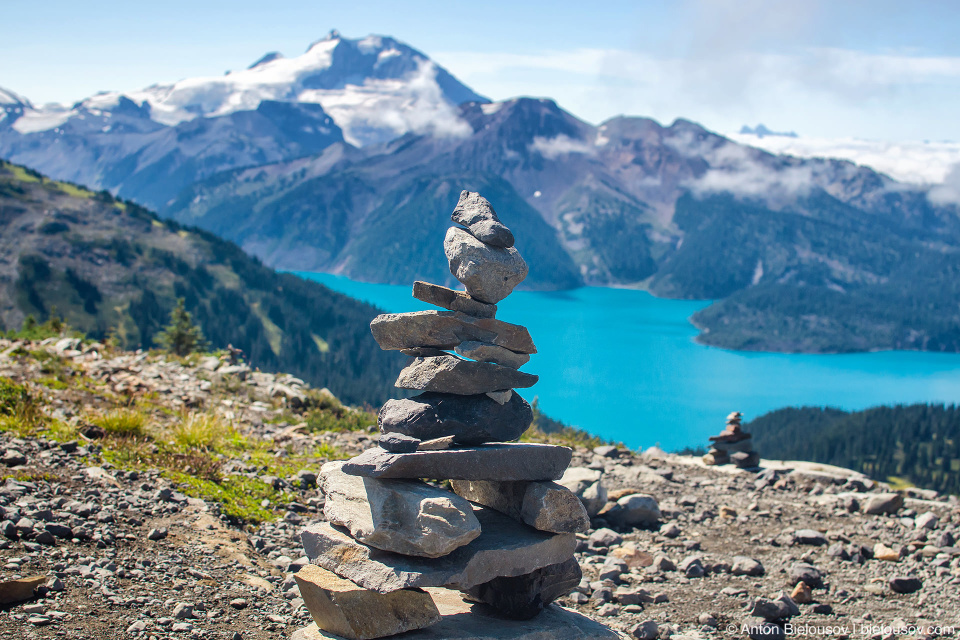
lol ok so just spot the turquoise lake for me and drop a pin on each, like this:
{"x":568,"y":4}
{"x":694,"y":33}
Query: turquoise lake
{"x":623,"y":365}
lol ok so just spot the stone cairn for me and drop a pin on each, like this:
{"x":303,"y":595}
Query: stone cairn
{"x":504,"y":536}
{"x":733,"y":445}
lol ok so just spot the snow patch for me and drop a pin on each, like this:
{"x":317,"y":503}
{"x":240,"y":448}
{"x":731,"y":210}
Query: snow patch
{"x":34,"y":120}
{"x":491,"y":108}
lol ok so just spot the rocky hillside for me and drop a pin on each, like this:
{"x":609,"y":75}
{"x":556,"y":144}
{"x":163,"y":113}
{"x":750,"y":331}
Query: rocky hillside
{"x":113,"y":268}
{"x":148,"y":496}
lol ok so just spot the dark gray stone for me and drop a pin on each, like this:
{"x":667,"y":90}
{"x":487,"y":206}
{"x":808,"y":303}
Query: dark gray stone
{"x":423,"y":352}
{"x":476,"y":213}
{"x":744,"y":566}
{"x":504,"y":548}
{"x":472,"y":419}
{"x":446,"y":330}
{"x":398,"y":442}
{"x":523,"y":597}
{"x":760,"y":629}
{"x":488,"y":273}
{"x":453,"y":300}
{"x":810,"y":537}
{"x":449,"y":374}
{"x":905,"y":584}
{"x":802,"y":572}
{"x":486,"y":462}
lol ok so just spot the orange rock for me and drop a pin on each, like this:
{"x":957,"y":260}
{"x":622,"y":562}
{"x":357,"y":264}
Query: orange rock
{"x":802,"y":593}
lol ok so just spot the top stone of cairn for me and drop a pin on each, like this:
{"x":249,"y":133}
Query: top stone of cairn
{"x":475,"y":212}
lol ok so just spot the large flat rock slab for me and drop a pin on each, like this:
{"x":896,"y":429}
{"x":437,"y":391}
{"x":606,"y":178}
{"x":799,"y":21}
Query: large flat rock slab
{"x":463,"y":621}
{"x":446,"y":330}
{"x":485,"y":462}
{"x":403,"y":516}
{"x":504,"y":548}
{"x":449,"y":374}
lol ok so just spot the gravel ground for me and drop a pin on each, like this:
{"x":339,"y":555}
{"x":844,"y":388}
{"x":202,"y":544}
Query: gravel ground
{"x":128,"y":554}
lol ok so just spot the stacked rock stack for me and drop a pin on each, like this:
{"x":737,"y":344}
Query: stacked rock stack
{"x":733,"y":445}
{"x":504,"y":536}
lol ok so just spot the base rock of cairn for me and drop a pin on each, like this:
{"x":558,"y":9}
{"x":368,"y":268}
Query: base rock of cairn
{"x":507,"y":541}
{"x":733,"y":445}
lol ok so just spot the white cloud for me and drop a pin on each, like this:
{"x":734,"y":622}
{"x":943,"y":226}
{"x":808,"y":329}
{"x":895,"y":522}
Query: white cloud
{"x":562,"y":144}
{"x":949,"y":191}
{"x":919,"y":163}
{"x":814,"y":90}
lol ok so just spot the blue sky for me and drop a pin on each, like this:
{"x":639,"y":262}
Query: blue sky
{"x":878,"y":70}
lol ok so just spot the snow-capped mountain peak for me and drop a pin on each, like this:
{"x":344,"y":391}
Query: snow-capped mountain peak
{"x":375,"y":88}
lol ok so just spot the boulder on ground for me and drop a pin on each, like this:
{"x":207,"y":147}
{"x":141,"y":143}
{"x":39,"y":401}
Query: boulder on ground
{"x":586,"y":484}
{"x":882,"y":503}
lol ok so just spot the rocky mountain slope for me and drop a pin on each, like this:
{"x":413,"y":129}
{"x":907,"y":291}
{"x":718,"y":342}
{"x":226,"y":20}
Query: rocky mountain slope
{"x":147,"y":145}
{"x":147,"y":496}
{"x":805,"y":255}
{"x":112,"y":267}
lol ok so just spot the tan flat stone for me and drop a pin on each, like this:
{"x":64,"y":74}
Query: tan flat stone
{"x":341,"y":607}
{"x":19,"y":590}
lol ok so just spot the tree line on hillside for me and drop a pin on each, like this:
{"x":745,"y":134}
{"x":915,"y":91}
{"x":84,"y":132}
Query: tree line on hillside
{"x":918,"y":443}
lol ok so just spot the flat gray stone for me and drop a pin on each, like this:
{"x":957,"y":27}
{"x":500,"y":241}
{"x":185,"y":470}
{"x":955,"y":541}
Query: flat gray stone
{"x":473,"y":419}
{"x":476,"y":213}
{"x":453,"y":300}
{"x":449,"y":374}
{"x":485,"y":462}
{"x":488,"y":273}
{"x":523,"y":597}
{"x":462,"y":621}
{"x":403,"y":516}
{"x":504,"y":548}
{"x":483,"y":352}
{"x":546,"y":506}
{"x":446,"y":330}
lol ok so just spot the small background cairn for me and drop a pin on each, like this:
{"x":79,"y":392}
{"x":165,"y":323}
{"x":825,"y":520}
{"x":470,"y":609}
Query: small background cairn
{"x":733,"y":445}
